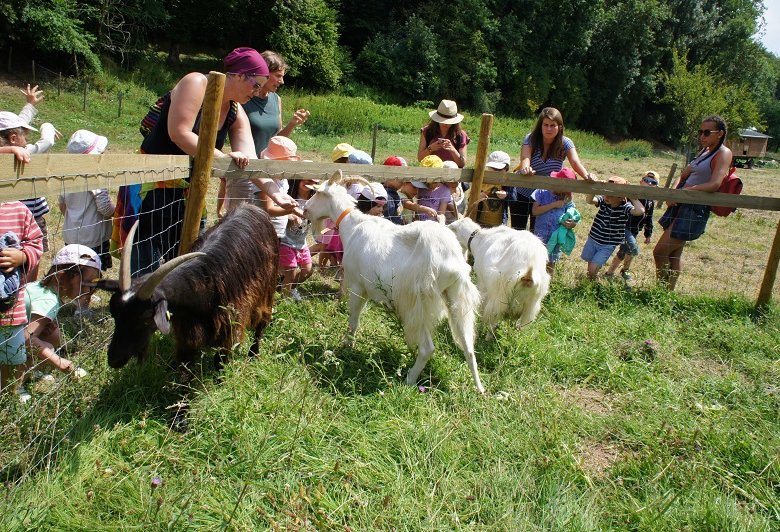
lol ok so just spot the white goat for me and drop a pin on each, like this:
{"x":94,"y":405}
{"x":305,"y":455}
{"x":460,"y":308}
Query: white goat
{"x":417,"y":270}
{"x":511,"y":269}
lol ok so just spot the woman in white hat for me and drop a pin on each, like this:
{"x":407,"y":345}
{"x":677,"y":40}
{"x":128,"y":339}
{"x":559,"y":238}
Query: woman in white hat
{"x":443,"y":135}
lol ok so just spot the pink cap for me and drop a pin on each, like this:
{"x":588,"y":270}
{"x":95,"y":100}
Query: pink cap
{"x":281,"y":148}
{"x":564,"y":173}
{"x":246,"y":61}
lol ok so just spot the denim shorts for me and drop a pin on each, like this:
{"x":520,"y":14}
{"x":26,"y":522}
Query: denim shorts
{"x":12,"y":349}
{"x":629,"y":247}
{"x":687,"y":221}
{"x":597,"y":253}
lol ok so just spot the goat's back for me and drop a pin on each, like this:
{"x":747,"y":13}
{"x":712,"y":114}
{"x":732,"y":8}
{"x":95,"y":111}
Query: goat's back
{"x":232,"y":286}
{"x":405,"y":267}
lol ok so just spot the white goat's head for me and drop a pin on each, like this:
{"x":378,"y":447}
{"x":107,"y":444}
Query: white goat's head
{"x":330,"y":197}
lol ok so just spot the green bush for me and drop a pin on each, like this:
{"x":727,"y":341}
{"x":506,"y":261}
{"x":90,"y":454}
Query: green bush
{"x":634,"y":148}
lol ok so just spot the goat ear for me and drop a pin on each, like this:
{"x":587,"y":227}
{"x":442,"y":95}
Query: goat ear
{"x":161,"y":316}
{"x":109,"y":285}
{"x":335,"y":178}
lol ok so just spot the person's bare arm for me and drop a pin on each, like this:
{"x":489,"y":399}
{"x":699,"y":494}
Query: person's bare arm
{"x":525,"y":160}
{"x":576,"y":164}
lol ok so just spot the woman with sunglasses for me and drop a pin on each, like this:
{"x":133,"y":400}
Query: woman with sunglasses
{"x":685,"y":222}
{"x":174,"y":131}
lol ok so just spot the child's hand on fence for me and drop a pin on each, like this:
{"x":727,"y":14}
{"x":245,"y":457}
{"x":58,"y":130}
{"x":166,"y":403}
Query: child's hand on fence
{"x":32,"y":95}
{"x":22,"y":154}
{"x":11,"y":258}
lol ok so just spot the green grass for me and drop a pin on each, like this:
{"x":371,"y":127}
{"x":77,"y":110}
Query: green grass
{"x":583,"y":427}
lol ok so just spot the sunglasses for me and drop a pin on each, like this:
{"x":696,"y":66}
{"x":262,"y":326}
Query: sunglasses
{"x":707,"y":132}
{"x":650,"y":181}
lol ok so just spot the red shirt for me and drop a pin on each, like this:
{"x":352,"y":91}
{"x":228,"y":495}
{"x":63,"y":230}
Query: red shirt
{"x":14,"y":216}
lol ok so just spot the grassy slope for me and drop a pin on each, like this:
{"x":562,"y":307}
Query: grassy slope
{"x":584,"y":427}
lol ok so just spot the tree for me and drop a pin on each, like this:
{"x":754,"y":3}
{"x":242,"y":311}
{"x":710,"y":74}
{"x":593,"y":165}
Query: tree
{"x":404,"y":62}
{"x":698,"y":92}
{"x":306,"y":34}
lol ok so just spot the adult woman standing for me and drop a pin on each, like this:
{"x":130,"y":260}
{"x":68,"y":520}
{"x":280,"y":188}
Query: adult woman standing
{"x":443,"y":136}
{"x":686,"y":222}
{"x":264,"y":111}
{"x":175,"y":132}
{"x":544,"y":150}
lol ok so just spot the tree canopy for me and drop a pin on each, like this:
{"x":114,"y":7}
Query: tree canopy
{"x":629,"y":67}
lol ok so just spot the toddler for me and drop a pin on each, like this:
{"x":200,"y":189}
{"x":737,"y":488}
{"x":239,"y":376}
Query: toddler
{"x":393,"y":206}
{"x":72,"y":275}
{"x":17,"y":225}
{"x":492,"y":205}
{"x":14,"y":132}
{"x":630,"y":248}
{"x":609,"y":227}
{"x":548,"y":208}
{"x":88,"y":214}
{"x":294,"y":255}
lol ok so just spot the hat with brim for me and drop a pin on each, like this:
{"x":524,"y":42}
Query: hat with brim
{"x":280,"y":149}
{"x":498,"y":160}
{"x":341,"y":150}
{"x":446,"y":113}
{"x":419,"y":184}
{"x":77,"y":254}
{"x":87,"y":142}
{"x":9,"y":120}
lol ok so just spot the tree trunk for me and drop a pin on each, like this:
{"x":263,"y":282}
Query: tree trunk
{"x":174,"y":57}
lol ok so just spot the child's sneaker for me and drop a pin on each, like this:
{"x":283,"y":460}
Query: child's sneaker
{"x":627,"y":277}
{"x":79,"y":373}
{"x":23,"y":394}
{"x":295,"y":295}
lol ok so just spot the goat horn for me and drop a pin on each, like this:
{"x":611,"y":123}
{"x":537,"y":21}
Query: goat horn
{"x":124,"y":261}
{"x":335,"y":178}
{"x":147,"y":289}
{"x":472,"y":208}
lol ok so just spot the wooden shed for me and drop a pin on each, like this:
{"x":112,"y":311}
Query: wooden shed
{"x":750,"y":143}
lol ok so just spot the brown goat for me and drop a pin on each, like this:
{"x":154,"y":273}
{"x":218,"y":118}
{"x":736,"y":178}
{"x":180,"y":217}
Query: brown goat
{"x":209,"y":296}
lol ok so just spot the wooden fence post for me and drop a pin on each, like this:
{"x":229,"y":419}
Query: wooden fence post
{"x":59,"y":83}
{"x":483,"y":145}
{"x":204,"y":157}
{"x":86,"y":86}
{"x":33,"y":71}
{"x":765,"y":294}
{"x":373,"y":142}
{"x":672,"y":170}
{"x":120,"y":95}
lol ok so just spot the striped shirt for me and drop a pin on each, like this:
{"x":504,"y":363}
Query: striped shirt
{"x":38,"y":206}
{"x":609,"y":225}
{"x":14,"y":216}
{"x":542,"y":166}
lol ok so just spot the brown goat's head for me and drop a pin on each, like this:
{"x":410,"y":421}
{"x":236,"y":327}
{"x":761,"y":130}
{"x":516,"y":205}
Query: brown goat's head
{"x":137,"y":307}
